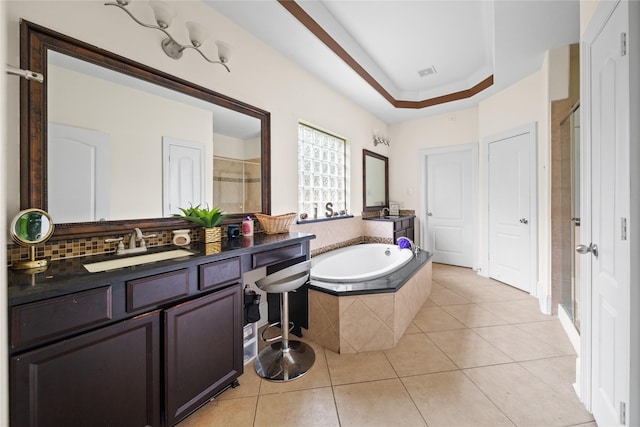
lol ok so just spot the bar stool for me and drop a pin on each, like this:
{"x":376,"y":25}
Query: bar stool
{"x":284,"y":360}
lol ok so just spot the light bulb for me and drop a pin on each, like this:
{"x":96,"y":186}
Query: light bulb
{"x":197,"y":33}
{"x":162,"y":12}
{"x":224,"y":51}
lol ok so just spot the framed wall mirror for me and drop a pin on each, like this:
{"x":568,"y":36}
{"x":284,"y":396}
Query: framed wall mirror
{"x":100,"y":138}
{"x":375,"y":181}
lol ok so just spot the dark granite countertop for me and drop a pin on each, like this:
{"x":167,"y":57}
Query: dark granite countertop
{"x":390,"y":218}
{"x":69,"y":275}
{"x":381,"y":285}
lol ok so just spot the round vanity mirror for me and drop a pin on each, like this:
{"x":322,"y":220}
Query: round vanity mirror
{"x":29,"y":228}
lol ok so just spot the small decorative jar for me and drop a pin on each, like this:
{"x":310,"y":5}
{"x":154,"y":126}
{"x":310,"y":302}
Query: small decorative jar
{"x":233,"y":231}
{"x":181,"y":237}
{"x":247,"y":227}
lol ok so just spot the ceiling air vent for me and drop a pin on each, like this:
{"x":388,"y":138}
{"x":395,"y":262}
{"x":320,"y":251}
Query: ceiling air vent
{"x":427,"y":71}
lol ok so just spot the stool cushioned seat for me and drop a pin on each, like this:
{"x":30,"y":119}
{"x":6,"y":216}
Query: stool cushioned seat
{"x":285,"y":360}
{"x":286,"y":280}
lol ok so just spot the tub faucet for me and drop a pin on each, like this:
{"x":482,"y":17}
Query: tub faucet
{"x":414,"y":248}
{"x":382,"y":211}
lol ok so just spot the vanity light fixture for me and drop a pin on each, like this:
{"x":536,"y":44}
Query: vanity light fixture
{"x":27,"y":74}
{"x":379,"y":139}
{"x":197,"y":33}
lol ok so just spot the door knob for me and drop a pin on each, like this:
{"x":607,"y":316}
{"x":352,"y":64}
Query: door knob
{"x":584,"y":249}
{"x":524,"y":221}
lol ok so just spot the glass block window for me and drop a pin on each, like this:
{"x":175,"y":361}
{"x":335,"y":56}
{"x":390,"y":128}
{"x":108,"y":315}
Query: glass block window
{"x":322,"y":172}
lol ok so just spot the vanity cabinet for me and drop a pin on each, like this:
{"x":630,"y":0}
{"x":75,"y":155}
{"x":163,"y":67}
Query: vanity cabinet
{"x":110,"y":376}
{"x":140,"y":346}
{"x":389,"y":227}
{"x":204,"y":350}
{"x":113,"y":374}
{"x":44,"y":321}
{"x":403,"y":228}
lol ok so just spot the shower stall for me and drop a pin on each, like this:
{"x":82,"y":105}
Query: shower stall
{"x":566,"y":215}
{"x":237,"y":185}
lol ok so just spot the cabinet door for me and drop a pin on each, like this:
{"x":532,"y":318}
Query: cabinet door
{"x":398,"y":234}
{"x":203,"y":344}
{"x":108,"y":377}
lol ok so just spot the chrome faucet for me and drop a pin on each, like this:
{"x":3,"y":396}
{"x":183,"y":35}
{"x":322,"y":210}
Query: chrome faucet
{"x":382,"y":211}
{"x":134,"y":236}
{"x":414,"y":248}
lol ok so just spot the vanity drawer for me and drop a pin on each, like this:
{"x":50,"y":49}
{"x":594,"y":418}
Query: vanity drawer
{"x":154,"y":290}
{"x":216,"y":274}
{"x":275,"y":256}
{"x":43,"y":321}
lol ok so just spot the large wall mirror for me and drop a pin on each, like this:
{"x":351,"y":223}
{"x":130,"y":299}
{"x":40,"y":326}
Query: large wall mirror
{"x":375,"y":180}
{"x":108,"y":144}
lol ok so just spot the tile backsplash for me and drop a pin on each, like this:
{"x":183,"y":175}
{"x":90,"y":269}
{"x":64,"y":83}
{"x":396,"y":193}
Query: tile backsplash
{"x":73,"y":248}
{"x":333,"y":234}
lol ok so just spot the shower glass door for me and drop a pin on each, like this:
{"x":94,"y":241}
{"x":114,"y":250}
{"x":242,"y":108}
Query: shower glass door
{"x":570,"y":292}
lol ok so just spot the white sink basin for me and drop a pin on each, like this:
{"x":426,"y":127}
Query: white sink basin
{"x":113,"y":264}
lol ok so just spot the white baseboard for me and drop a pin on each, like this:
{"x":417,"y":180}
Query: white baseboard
{"x":544,"y":300}
{"x":569,"y":329}
{"x":482,"y":270}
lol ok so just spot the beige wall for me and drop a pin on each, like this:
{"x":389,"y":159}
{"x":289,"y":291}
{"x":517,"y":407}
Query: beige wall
{"x":265,"y":79}
{"x":408,"y":138}
{"x":587,"y":9}
{"x":291,"y":94}
{"x":260,"y":76}
{"x":523,"y":103}
{"x":559,"y":71}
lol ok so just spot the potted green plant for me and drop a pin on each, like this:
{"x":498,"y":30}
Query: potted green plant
{"x":208,"y":219}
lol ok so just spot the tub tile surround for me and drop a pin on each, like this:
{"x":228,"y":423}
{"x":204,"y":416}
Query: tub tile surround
{"x":332,"y":234}
{"x":336,"y":234}
{"x":360,"y":323}
{"x":419,"y":381}
{"x":382,"y":230}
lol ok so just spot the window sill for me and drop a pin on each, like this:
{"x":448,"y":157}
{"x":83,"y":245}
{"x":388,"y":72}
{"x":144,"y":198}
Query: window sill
{"x":312,"y":220}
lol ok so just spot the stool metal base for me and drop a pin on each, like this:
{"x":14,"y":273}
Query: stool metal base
{"x":275,"y":364}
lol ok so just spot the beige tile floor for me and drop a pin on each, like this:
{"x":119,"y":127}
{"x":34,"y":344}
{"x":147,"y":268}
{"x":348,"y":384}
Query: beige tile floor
{"x":479,"y":353}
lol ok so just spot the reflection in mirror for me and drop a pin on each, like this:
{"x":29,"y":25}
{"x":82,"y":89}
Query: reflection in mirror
{"x":29,"y":228}
{"x":121,"y":169}
{"x":122,"y":140}
{"x":375,"y":169}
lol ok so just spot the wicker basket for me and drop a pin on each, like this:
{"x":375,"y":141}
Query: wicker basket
{"x":276,"y":224}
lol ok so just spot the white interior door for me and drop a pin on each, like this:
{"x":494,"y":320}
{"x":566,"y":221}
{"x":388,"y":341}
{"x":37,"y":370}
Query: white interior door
{"x":78,"y":162}
{"x":450,"y":202}
{"x":610,"y":210}
{"x":184,"y":175}
{"x":511,"y":176}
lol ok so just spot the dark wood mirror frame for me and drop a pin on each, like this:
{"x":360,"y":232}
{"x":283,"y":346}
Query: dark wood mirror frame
{"x":35,"y":40}
{"x":385,"y":159}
